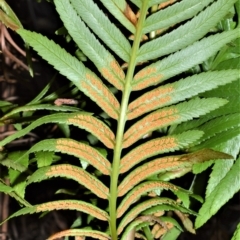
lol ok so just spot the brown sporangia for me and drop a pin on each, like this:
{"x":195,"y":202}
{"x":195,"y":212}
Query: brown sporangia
{"x":140,"y":208}
{"x":159,"y":230}
{"x":73,"y":205}
{"x":77,"y":233}
{"x":85,"y":152}
{"x":135,"y":194}
{"x":115,"y":76}
{"x":146,"y":78}
{"x":155,"y":120}
{"x":101,"y":95}
{"x":150,"y":101}
{"x":148,"y":169}
{"x":166,"y":4}
{"x":81,"y":176}
{"x":96,"y":127}
{"x":65,"y":101}
{"x":146,"y":150}
{"x":131,"y":16}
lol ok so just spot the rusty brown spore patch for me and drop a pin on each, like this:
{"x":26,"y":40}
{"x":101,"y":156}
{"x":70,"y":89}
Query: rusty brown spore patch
{"x":71,"y":205}
{"x":101,"y":94}
{"x":148,"y":169}
{"x":115,"y":76}
{"x":80,"y":176}
{"x":86,"y":152}
{"x":147,"y":150}
{"x":151,"y":80}
{"x":144,"y":73}
{"x":96,"y":127}
{"x":141,"y":207}
{"x":151,"y":122}
{"x":130,"y":15}
{"x":140,"y":191}
{"x":149,"y":101}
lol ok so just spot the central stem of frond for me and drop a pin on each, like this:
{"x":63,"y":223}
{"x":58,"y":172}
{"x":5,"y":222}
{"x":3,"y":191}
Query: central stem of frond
{"x":122,"y":121}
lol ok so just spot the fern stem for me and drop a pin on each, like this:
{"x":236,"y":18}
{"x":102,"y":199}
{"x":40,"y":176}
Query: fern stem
{"x":122,"y":121}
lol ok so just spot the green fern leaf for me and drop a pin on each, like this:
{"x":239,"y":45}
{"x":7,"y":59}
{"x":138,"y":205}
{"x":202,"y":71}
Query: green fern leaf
{"x":236,"y":235}
{"x":44,"y":159}
{"x":168,"y":207}
{"x":170,"y":115}
{"x":218,"y":139}
{"x":103,"y":28}
{"x":74,"y":70}
{"x":11,"y":163}
{"x":80,"y":233}
{"x":178,"y":12}
{"x":165,"y":164}
{"x":134,"y":212}
{"x":63,"y":205}
{"x":5,"y":188}
{"x":119,"y":15}
{"x":229,"y":185}
{"x":218,"y":130}
{"x":142,"y":221}
{"x":90,"y":46}
{"x":33,"y":108}
{"x":82,"y":120}
{"x":218,"y":125}
{"x":221,"y":168}
{"x":187,"y":33}
{"x":71,"y":147}
{"x":148,"y":169}
{"x":183,"y":60}
{"x":143,"y":188}
{"x":11,"y":192}
{"x":71,"y":172}
{"x":180,"y":90}
{"x":157,"y":146}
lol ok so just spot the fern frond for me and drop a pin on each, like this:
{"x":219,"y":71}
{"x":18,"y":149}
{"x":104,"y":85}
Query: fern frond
{"x":34,"y":108}
{"x":103,"y":28}
{"x":219,"y":125}
{"x":182,"y":61}
{"x":171,"y":115}
{"x":230,"y":185}
{"x":158,"y":146}
{"x":82,"y":120}
{"x":221,"y":168}
{"x":143,"y":188}
{"x":71,"y":172}
{"x":90,"y":46}
{"x":148,"y":169}
{"x":119,"y":15}
{"x":134,"y":212}
{"x":187,"y":33}
{"x":161,"y":165}
{"x":178,"y":12}
{"x":63,"y":205}
{"x":79,"y":150}
{"x":80,"y":233}
{"x":178,"y":91}
{"x":74,"y":70}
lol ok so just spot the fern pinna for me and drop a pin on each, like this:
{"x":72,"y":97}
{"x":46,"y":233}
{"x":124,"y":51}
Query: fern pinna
{"x":143,"y":49}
